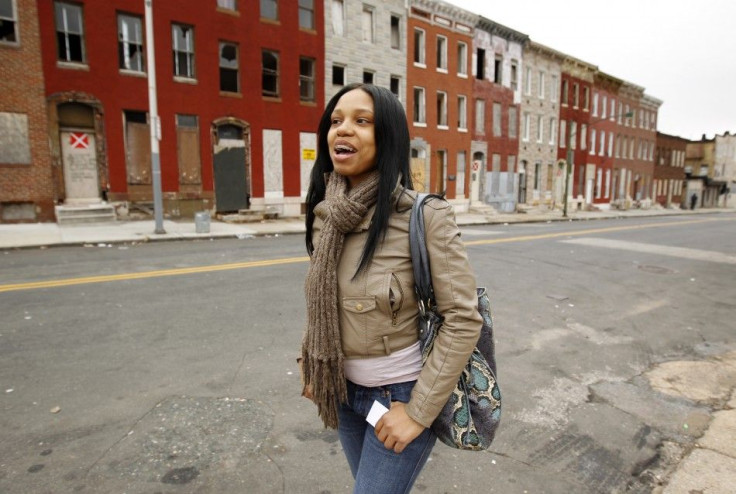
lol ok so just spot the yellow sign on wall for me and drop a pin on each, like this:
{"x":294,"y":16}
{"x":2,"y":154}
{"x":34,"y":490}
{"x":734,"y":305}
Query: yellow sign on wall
{"x":309,"y":154}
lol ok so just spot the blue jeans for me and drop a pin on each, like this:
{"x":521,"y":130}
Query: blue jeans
{"x":378,"y":470}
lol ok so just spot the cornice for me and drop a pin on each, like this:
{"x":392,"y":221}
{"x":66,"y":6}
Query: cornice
{"x":545,"y":50}
{"x":494,"y":28}
{"x":444,"y":9}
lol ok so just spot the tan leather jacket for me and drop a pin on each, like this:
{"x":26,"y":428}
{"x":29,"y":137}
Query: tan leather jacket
{"x":378,"y":313}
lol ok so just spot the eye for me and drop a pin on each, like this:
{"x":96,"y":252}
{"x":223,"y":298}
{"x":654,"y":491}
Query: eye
{"x":363,"y":120}
{"x":335,"y":121}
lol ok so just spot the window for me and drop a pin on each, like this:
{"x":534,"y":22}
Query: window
{"x":270,"y":77}
{"x":419,"y":47}
{"x":462,"y":59}
{"x":497,"y":69}
{"x":441,"y":109}
{"x":368,"y":77}
{"x":513,"y":122}
{"x":613,"y":109}
{"x":367,"y":24}
{"x":602,"y":148}
{"x":552,"y":131}
{"x":620,"y":111}
{"x":182,"y":41}
{"x":480,"y":116}
{"x":604,"y":105}
{"x":229,"y":80}
{"x":573,"y":134}
{"x":540,"y":128}
{"x":525,"y":127}
{"x":540,"y":89}
{"x":480,"y":64}
{"x":555,"y":89}
{"x":528,"y":80}
{"x":442,"y":53}
{"x":592,"y":141}
{"x":8,"y":22}
{"x":306,"y":78}
{"x":420,"y":116}
{"x":306,"y":14}
{"x":583,"y":136}
{"x":69,"y":32}
{"x":514,"y":75}
{"x":187,"y":145}
{"x":595,"y":104}
{"x":270,"y":10}
{"x":130,"y":43}
{"x":228,"y":4}
{"x":610,"y":144}
{"x":338,"y":75}
{"x":575,"y":95}
{"x":462,"y":112}
{"x":537,"y":175}
{"x":496,"y":119}
{"x":395,"y":32}
{"x":586,"y":98}
{"x":338,"y":17}
{"x":396,"y":85}
{"x":565,"y":95}
{"x":563,"y":143}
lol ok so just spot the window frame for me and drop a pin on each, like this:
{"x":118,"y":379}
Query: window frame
{"x":420,"y":48}
{"x":442,"y":114}
{"x":310,"y":11}
{"x":462,"y":113}
{"x":14,"y":20}
{"x":125,"y":61}
{"x":188,"y":51}
{"x":307,"y":80}
{"x":271,"y":73}
{"x":221,"y":5}
{"x":367,"y":9}
{"x":462,"y":59}
{"x":236,"y":69}
{"x":395,"y":32}
{"x":82,"y":48}
{"x":442,"y":53}
{"x":268,"y":3}
{"x":419,"y":118}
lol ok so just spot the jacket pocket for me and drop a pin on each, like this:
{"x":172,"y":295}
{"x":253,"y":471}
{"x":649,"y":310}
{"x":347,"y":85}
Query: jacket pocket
{"x":395,"y":297}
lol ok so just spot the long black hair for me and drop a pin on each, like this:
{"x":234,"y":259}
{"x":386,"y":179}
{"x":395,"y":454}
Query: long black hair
{"x":392,"y":162}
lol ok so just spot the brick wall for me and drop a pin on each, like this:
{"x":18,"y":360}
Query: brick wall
{"x":26,"y":188}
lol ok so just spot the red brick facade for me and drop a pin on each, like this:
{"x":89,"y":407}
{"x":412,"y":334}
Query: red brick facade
{"x":669,"y":170}
{"x":26,"y":189}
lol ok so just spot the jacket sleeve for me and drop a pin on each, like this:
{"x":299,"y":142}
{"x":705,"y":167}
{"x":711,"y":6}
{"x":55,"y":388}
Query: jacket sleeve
{"x":454,"y":287}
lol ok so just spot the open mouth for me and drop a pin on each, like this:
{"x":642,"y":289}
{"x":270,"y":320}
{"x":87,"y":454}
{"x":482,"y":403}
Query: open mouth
{"x":341,"y":149}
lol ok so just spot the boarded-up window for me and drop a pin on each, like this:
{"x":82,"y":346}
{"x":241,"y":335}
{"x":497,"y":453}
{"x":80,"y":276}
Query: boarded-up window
{"x":187,"y":146}
{"x":137,"y":148}
{"x":14,"y":145}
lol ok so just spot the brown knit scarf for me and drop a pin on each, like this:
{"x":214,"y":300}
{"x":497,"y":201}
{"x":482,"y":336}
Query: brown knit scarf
{"x":321,"y":347}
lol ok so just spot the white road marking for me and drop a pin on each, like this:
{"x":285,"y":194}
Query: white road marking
{"x":664,"y":250}
{"x":475,"y":232}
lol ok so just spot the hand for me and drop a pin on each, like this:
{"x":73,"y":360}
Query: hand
{"x":396,"y":429}
{"x":307,"y":392}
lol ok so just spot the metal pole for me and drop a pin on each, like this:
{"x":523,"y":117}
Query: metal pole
{"x":568,"y":166}
{"x":155,"y":124}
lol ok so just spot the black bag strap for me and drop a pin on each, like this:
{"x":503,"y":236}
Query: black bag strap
{"x":419,"y":254}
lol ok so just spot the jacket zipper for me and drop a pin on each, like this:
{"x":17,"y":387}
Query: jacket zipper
{"x":395,"y":314}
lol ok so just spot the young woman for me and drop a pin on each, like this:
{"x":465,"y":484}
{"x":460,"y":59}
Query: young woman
{"x":361,"y":340}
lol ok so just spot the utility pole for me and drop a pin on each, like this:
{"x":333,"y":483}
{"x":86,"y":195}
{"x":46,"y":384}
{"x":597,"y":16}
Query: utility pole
{"x":155,"y":123}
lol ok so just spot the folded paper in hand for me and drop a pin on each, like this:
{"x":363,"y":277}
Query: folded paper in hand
{"x":376,"y":412}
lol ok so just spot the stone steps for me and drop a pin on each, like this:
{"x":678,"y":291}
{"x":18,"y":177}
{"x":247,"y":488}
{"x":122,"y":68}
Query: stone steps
{"x":92,"y":213}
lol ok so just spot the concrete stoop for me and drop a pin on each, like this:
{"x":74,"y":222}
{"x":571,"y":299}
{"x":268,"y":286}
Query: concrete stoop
{"x":82,"y":214}
{"x":249,"y":216}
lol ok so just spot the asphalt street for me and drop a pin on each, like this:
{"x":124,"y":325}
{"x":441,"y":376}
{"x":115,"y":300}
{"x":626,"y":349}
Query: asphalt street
{"x":170,"y":367}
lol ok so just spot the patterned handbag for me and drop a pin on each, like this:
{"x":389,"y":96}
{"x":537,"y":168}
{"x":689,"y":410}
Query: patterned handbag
{"x":471,"y":416}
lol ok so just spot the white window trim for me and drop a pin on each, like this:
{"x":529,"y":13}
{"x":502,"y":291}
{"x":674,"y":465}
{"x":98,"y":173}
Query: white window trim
{"x":444,"y":126}
{"x":444,"y":69}
{"x":422,"y":122}
{"x":423,"y":62}
{"x":464,"y":107}
{"x":464,"y":73}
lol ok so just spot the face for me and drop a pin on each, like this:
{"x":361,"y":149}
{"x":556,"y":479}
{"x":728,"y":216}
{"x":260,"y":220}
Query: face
{"x":352,"y":137}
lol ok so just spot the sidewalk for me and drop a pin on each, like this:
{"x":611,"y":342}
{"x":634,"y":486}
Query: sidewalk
{"x":28,"y":235}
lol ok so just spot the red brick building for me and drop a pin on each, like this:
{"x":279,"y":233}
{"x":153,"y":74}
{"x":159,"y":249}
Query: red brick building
{"x":26,"y":188}
{"x":575,"y":101}
{"x":669,"y":170}
{"x":439,"y":97}
{"x":240,"y":90}
{"x":496,"y":95}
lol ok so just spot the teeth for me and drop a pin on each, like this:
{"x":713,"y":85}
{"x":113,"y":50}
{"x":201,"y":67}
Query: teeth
{"x":342,"y":148}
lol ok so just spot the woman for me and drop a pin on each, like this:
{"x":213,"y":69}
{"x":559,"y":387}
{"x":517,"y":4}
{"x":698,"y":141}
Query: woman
{"x":361,"y":341}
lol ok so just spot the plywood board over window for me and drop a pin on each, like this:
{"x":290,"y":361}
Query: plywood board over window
{"x":187,"y":147}
{"x":137,"y":148}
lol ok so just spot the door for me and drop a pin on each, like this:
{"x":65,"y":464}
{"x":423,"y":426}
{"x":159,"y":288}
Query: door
{"x":475,"y":178}
{"x":79,"y":160}
{"x":231,"y":179}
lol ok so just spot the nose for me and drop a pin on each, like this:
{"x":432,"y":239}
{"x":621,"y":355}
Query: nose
{"x":344,"y":128}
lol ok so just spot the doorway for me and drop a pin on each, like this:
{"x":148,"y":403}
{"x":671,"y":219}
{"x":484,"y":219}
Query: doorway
{"x":231,"y":170}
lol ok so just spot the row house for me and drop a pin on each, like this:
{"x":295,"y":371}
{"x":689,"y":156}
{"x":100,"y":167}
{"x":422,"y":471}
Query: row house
{"x":700,"y":170}
{"x":669,"y":171}
{"x":497,"y":68}
{"x":26,"y":186}
{"x":240,"y":89}
{"x":542,"y":174}
{"x":602,"y":129}
{"x":440,"y":88}
{"x":725,"y":163}
{"x":577,"y":78}
{"x":365,"y":41}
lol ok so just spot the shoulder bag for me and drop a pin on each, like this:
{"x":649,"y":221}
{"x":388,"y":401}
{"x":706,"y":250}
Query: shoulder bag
{"x":471,"y":416}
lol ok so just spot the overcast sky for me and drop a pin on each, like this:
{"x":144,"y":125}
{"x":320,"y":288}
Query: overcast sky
{"x":682,"y":52}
